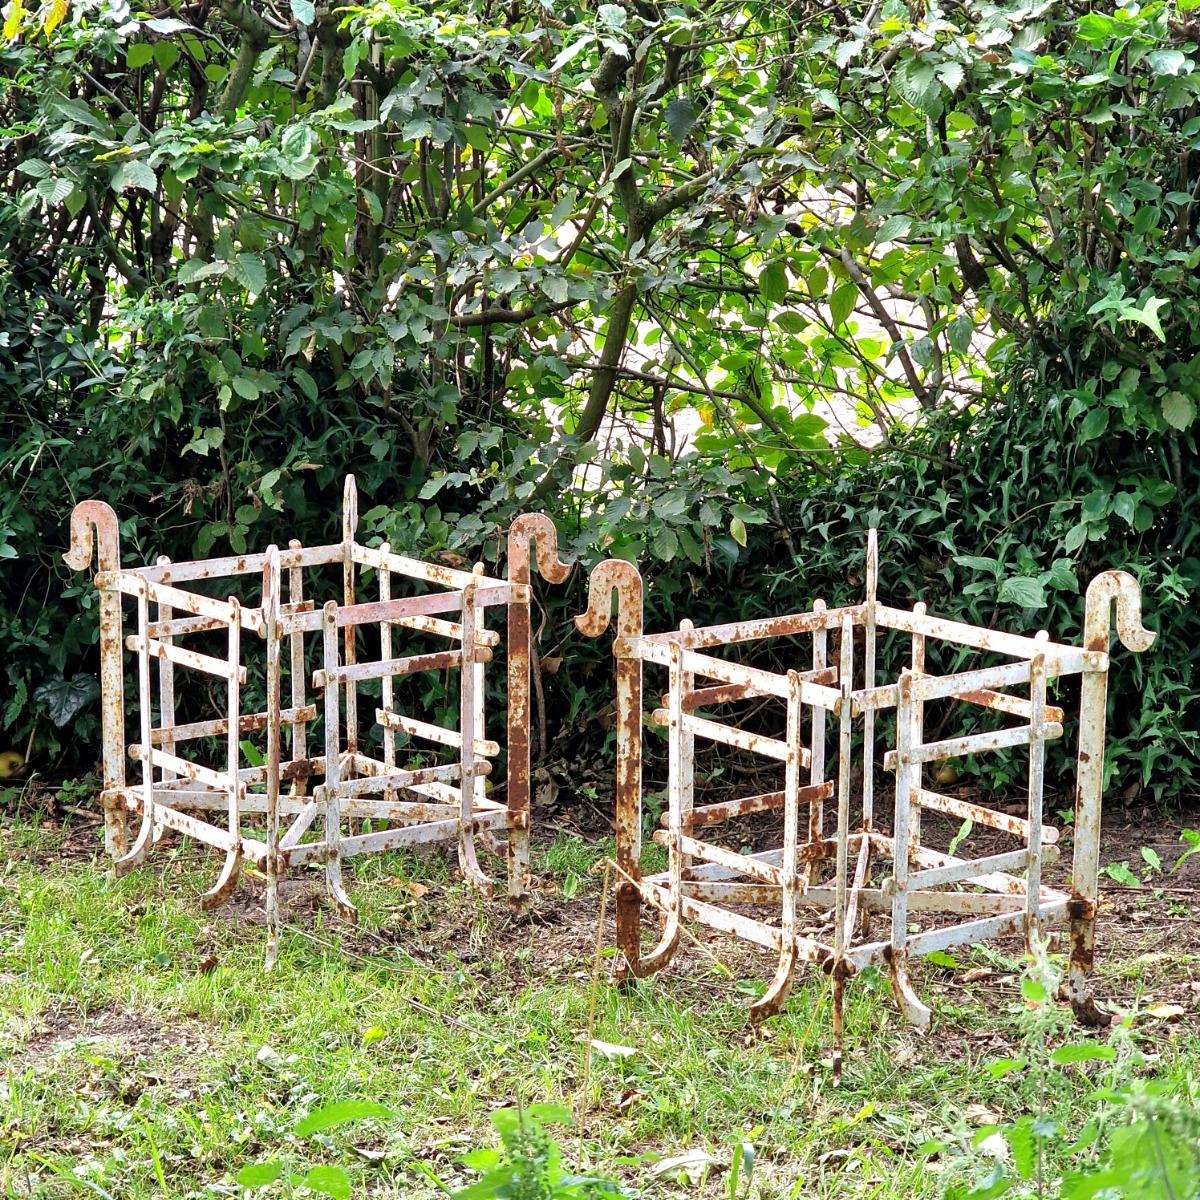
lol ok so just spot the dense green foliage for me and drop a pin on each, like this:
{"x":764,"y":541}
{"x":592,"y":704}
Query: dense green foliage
{"x":466,"y":249}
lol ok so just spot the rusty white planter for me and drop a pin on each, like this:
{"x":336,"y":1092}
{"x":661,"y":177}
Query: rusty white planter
{"x":863,"y":871}
{"x":303,"y":805}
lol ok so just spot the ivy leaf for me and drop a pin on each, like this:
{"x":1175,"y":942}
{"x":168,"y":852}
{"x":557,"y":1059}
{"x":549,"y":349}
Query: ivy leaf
{"x":1178,"y":410}
{"x":65,"y":698}
{"x":680,"y":115}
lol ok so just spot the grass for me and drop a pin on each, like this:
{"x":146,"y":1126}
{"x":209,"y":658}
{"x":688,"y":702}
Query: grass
{"x":148,"y":1055}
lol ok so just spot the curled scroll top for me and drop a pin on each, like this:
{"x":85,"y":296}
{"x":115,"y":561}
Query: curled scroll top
{"x":1120,"y":588}
{"x":93,"y":520}
{"x":535,"y":529}
{"x":613,"y":576}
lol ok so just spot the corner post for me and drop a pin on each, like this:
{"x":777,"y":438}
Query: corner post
{"x":95,"y":523}
{"x":525,"y":530}
{"x":1106,"y":590}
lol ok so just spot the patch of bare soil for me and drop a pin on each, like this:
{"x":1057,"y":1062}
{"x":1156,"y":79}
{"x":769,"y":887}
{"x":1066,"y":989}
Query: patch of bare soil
{"x":128,"y":1040}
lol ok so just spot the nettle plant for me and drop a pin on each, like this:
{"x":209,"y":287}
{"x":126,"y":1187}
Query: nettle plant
{"x":1097,"y":1127}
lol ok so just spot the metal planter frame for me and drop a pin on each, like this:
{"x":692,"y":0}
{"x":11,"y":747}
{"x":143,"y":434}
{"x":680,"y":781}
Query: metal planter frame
{"x":210,"y":801}
{"x":955,"y":900}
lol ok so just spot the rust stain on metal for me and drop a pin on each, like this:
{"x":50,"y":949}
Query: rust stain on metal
{"x":207,"y":792}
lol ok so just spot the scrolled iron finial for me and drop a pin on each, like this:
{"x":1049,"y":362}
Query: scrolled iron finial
{"x":1119,"y":588}
{"x":535,"y":530}
{"x":94,"y":523}
{"x":613,"y":576}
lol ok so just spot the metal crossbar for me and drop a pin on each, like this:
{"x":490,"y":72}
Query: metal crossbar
{"x":866,"y":868}
{"x":273,"y":812}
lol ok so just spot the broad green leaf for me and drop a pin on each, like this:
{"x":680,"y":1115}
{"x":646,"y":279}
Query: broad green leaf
{"x":842,"y":302}
{"x":1023,"y":590}
{"x":138,"y":54}
{"x":680,"y":115}
{"x":1082,"y":1052}
{"x":135,"y":173}
{"x":773,"y":282}
{"x":252,"y":272}
{"x":54,"y":191}
{"x":1178,"y":410}
{"x":959,"y":333}
{"x":304,"y":11}
{"x":328,"y":1181}
{"x":255,"y":1175}
{"x":342,"y":1112}
{"x":1094,"y":424}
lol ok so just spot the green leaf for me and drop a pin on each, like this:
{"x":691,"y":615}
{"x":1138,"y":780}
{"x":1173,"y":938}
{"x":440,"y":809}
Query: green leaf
{"x":135,"y":173}
{"x":666,"y":543}
{"x":307,"y":384}
{"x":680,"y":115}
{"x":917,"y":82}
{"x":329,"y":1181}
{"x":893,"y":228}
{"x":1124,"y":504}
{"x":1178,"y":410}
{"x":960,"y":332}
{"x":1094,"y":424}
{"x":196,"y":269}
{"x":138,"y":55}
{"x":842,"y":302}
{"x":1151,"y":859}
{"x":54,"y":191}
{"x":304,"y":11}
{"x":737,"y":531}
{"x":1033,"y":991}
{"x":254,"y":1175}
{"x":252,"y":272}
{"x":1023,"y":590}
{"x":1084,"y":1052}
{"x":63,"y":698}
{"x":773,"y":282}
{"x":1167,"y":62}
{"x":342,"y":1112}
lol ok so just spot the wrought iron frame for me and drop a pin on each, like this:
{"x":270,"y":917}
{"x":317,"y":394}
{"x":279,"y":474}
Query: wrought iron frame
{"x":707,"y":882}
{"x":446,"y":803}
